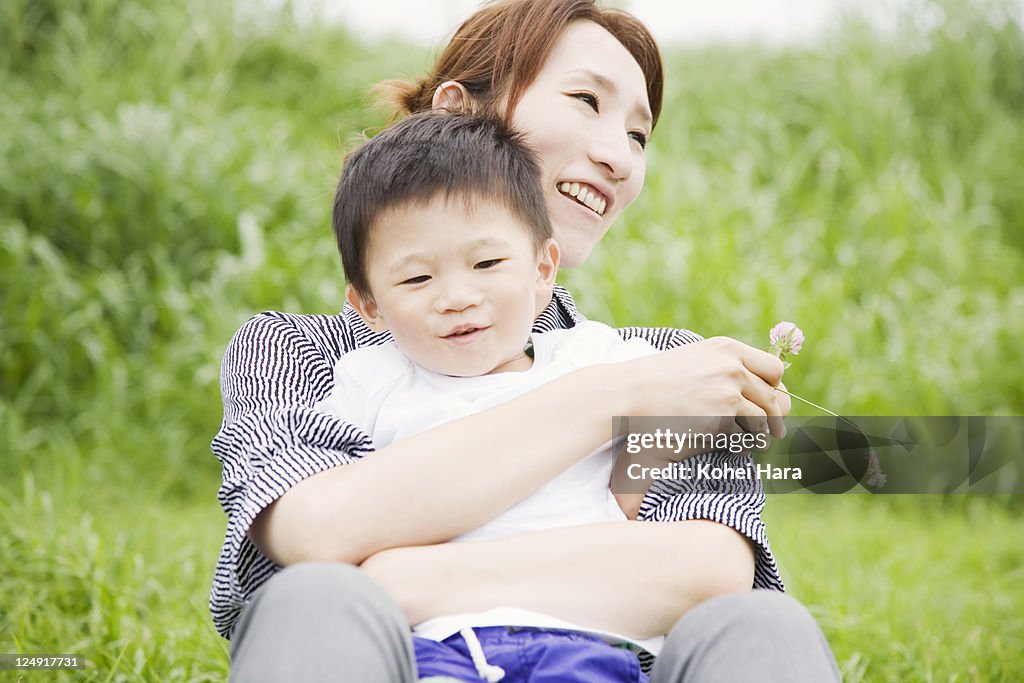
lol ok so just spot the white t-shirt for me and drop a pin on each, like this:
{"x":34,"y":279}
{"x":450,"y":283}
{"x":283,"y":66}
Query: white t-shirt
{"x":392,"y":398}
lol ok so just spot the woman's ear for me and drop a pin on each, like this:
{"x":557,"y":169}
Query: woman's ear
{"x":452,"y":96}
{"x":367,"y":309}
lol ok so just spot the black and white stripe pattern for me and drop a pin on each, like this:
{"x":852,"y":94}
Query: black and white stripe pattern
{"x":278,"y":365}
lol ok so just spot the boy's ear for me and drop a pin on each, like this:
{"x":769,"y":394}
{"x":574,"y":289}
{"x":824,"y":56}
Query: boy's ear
{"x":547,"y":269}
{"x":550,"y":257}
{"x":452,"y":96}
{"x":367,"y":309}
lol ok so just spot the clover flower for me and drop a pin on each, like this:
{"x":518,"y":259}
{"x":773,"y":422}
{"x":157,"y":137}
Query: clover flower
{"x":786,"y":339}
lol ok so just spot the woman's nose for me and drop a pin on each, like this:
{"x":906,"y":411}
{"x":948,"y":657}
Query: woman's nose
{"x":611,"y":150}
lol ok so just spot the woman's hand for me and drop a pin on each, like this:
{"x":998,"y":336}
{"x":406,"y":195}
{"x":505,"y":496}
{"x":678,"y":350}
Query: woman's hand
{"x":716,"y":377}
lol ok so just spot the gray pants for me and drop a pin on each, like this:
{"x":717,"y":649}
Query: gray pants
{"x":329,"y":622}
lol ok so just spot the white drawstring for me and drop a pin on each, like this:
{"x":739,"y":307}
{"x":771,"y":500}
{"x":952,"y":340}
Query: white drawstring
{"x":488,"y":672}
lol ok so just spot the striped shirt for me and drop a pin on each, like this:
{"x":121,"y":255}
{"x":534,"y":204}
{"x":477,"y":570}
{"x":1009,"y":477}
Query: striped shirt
{"x":279,"y":365}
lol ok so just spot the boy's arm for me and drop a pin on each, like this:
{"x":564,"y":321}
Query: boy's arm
{"x":633,"y":578}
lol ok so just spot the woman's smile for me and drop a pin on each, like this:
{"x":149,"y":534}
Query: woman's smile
{"x":585,"y":194}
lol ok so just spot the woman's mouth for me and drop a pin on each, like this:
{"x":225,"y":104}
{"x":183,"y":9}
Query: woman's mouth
{"x":586,"y":195}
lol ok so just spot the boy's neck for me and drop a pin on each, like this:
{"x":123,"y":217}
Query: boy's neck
{"x":521,"y":363}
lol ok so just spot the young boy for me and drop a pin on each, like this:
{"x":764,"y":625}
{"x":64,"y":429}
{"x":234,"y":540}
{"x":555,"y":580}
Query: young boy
{"x":446,"y":243}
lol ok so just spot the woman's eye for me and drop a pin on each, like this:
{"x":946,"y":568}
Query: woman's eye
{"x":590,"y":98}
{"x":489,"y":263}
{"x":418,"y":280}
{"x":639,"y":137}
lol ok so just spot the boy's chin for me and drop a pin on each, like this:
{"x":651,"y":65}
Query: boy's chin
{"x":464,"y":371}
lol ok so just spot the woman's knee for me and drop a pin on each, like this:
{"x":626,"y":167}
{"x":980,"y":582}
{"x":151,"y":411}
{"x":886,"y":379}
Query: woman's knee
{"x":765,"y":608}
{"x":310,"y":619}
{"x":759,"y":635}
{"x":758,"y":612}
{"x":327,"y":586}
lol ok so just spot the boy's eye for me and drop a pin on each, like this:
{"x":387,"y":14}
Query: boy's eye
{"x":418,"y":280}
{"x":590,"y":98}
{"x":640,"y":137}
{"x":489,"y":263}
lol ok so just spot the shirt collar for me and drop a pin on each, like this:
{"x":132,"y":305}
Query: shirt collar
{"x":560,"y":314}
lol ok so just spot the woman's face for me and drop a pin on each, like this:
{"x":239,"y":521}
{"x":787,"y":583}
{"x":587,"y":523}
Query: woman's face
{"x":587,"y":115}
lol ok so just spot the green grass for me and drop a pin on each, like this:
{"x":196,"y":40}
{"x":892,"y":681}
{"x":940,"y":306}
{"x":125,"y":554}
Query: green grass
{"x":170,"y":172}
{"x":907,"y":588}
{"x":114,"y":577}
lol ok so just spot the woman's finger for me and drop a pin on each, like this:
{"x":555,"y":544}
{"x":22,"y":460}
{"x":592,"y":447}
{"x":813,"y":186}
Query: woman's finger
{"x":752,"y":418}
{"x":764,"y":395}
{"x":776,"y":423}
{"x":761,"y":363}
{"x":774,"y":404}
{"x":785,"y":402}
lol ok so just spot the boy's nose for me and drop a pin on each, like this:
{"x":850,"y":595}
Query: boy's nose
{"x":458,"y":297}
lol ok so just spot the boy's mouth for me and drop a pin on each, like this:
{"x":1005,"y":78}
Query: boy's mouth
{"x":585,"y":194}
{"x":464,"y":331}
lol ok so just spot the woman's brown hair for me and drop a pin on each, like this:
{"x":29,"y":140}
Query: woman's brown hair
{"x":501,"y":48}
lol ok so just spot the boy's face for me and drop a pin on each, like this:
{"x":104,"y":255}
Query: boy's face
{"x":458,"y":288}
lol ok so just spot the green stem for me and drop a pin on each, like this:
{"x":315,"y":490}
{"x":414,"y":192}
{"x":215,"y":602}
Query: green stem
{"x":811,"y":403}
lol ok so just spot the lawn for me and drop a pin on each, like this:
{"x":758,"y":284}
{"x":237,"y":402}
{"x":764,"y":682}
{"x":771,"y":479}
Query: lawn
{"x":167,"y":173}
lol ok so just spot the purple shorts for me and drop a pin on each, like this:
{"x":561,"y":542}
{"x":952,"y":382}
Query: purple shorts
{"x":531,"y":655}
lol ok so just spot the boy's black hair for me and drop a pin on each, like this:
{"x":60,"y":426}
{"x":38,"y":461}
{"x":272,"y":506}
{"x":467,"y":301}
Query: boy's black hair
{"x":460,"y":157}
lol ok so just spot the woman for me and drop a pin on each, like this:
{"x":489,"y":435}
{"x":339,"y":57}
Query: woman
{"x":584,"y":85}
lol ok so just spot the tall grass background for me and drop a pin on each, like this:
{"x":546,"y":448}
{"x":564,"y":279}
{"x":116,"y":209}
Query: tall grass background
{"x":167,"y":171}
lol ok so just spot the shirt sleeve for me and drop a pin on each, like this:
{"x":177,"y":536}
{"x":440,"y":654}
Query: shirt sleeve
{"x":675,"y":501}
{"x":274,"y":371}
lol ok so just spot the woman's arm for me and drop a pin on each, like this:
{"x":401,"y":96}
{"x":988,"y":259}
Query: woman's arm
{"x":647,"y":574}
{"x":448,"y":480}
